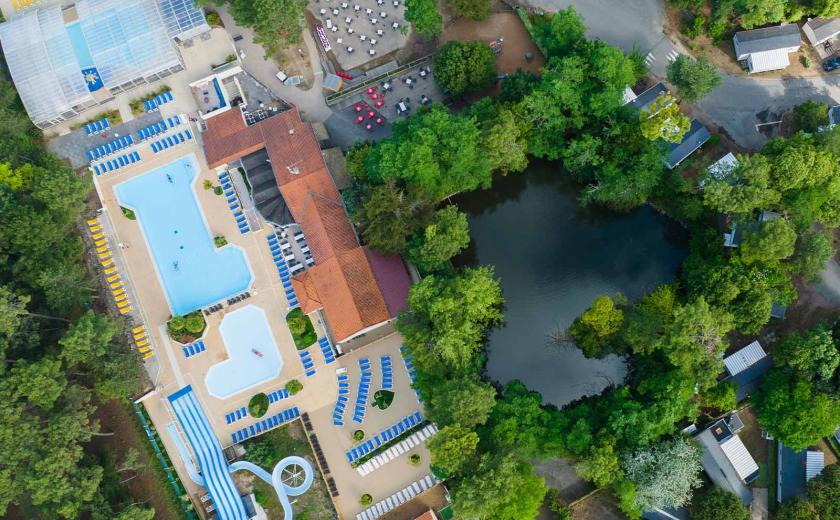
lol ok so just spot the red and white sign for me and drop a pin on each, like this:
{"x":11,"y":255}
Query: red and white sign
{"x":322,"y":35}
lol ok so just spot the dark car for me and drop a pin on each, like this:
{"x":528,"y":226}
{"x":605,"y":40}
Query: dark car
{"x":831,"y":64}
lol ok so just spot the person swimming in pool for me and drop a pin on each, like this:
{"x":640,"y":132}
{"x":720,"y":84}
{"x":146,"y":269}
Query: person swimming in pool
{"x":175,"y":265}
{"x":169,"y":178}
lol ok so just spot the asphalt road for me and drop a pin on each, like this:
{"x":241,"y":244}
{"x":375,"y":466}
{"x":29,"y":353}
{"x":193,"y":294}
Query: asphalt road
{"x":738,"y":105}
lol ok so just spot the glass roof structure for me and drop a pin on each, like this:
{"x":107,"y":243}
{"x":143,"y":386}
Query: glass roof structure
{"x":59,"y":58}
{"x":42,"y":63}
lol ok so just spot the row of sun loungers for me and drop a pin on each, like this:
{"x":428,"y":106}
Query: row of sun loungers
{"x":153,"y":104}
{"x":109,"y":148}
{"x":384,"y":437}
{"x":239,"y":297}
{"x":409,"y":367}
{"x":282,"y":269}
{"x":397,"y":499}
{"x":266,"y":424}
{"x":172,"y":140}
{"x":112,"y":277}
{"x":233,"y":202}
{"x":341,"y":402}
{"x":308,"y":364}
{"x":236,"y":415}
{"x":194,"y":348}
{"x":158,"y":128}
{"x":326,"y":350}
{"x":278,"y":395}
{"x":96,"y":126}
{"x":115,"y":164}
{"x":393,"y":452}
{"x":362,"y":393}
{"x":141,"y":341}
{"x":387,"y":372}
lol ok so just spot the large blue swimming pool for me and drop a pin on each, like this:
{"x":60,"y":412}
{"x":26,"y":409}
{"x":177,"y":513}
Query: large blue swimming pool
{"x":193,"y":272}
{"x":253,"y":357}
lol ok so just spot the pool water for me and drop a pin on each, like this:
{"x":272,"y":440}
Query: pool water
{"x":193,"y":272}
{"x":253,"y":357}
{"x":80,"y":47}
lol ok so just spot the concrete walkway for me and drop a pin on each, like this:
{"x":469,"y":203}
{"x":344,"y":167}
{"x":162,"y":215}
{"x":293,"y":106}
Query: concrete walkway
{"x":310,"y":102}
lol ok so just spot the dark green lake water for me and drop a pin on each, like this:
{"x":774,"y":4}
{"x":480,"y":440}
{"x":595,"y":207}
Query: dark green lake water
{"x":554,"y":258}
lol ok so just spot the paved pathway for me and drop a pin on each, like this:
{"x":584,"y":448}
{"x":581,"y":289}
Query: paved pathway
{"x":738,"y":105}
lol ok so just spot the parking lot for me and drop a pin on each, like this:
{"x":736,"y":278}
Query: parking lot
{"x":359,"y":31}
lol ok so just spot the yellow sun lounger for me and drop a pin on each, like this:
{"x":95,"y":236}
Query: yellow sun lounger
{"x":102,"y":249}
{"x":137,"y":329}
{"x":107,"y":262}
{"x":122,"y":304}
{"x":118,"y":292}
{"x":103,"y":256}
{"x":144,"y":350}
{"x":97,"y":236}
{"x":113,"y":278}
{"x":92,"y":221}
{"x":116,"y":285}
{"x":143,"y":343}
{"x":120,"y":297}
{"x":110,"y":270}
{"x":139,"y":335}
{"x":100,"y":242}
{"x":94,"y":229}
{"x":125,"y":310}
{"x":147,"y":355}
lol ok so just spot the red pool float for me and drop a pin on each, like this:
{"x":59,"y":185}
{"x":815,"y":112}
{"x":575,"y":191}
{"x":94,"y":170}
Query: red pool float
{"x":379,"y":103}
{"x":369,"y":127}
{"x":360,"y":119}
{"x":371,"y":113}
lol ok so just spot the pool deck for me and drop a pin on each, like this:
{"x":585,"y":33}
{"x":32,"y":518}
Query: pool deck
{"x":173,"y":370}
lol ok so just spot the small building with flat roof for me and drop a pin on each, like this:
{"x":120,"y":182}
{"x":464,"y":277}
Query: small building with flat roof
{"x":746,"y":368}
{"x":696,"y":136}
{"x":726,"y":460}
{"x":768,"y":48}
{"x":814,"y":463}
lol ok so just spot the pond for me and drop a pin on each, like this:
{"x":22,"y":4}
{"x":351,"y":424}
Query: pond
{"x":554,"y":258}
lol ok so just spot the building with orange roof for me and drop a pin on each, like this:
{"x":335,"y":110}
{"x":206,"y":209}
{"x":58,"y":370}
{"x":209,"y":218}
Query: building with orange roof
{"x":356,"y":289}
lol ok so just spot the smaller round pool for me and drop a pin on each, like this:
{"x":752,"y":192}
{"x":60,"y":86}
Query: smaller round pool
{"x":253,"y":354}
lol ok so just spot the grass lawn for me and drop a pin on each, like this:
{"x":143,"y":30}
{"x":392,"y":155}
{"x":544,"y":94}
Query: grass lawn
{"x":303,"y":332}
{"x":277,"y":444}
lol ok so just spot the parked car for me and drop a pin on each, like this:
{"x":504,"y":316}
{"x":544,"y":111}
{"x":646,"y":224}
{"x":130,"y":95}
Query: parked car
{"x":831,"y":64}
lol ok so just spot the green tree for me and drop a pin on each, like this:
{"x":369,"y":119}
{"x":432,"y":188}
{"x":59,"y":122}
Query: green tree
{"x":88,"y":339}
{"x":463,"y":67}
{"x":755,"y":13}
{"x":722,"y":397}
{"x":716,"y":503}
{"x":664,"y":474}
{"x":694,"y":79}
{"x":520,"y":424}
{"x":276,"y":23}
{"x":517,"y":86}
{"x":505,"y":144}
{"x":797,"y":509}
{"x":424,"y":15}
{"x":561,"y":32}
{"x":824,"y":492}
{"x":135,"y":512}
{"x":813,"y":250}
{"x":595,"y":329}
{"x":748,"y":187}
{"x":794,"y":411}
{"x":472,"y":9}
{"x":664,"y":120}
{"x":389,"y":216}
{"x":774,"y":240}
{"x":500,"y":488}
{"x":444,"y":237}
{"x":810,"y":116}
{"x":602,"y":466}
{"x":812,"y":354}
{"x":463,"y":401}
{"x":448,"y":317}
{"x":825,"y":8}
{"x":452,"y":448}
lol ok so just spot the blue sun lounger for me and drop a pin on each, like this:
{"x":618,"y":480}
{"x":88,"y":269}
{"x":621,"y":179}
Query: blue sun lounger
{"x":188,"y":134}
{"x":180,"y":137}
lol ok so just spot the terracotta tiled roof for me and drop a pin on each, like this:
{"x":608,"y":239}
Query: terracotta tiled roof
{"x":342,"y":281}
{"x":428,"y":515}
{"x":392,"y":278}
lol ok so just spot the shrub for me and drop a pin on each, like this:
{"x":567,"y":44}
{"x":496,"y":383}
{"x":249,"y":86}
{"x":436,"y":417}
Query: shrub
{"x":258,"y":405}
{"x":294,"y":386}
{"x":414,"y":459}
{"x":382,"y":399}
{"x":195,"y":323}
{"x":208,"y":184}
{"x":177,"y":323}
{"x":129,"y":214}
{"x":301,"y":328}
{"x":218,"y":190}
{"x":213,"y":18}
{"x":810,"y":116}
{"x":220,"y":241}
{"x":806,"y":62}
{"x":366,"y":500}
{"x":358,"y":435}
{"x":260,"y":497}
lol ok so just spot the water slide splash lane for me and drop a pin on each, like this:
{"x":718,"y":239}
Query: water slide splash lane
{"x":208,"y":451}
{"x":215,"y":472}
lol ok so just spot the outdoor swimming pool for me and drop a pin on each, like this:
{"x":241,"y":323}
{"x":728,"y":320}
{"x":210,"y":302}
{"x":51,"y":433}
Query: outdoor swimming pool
{"x":193,"y":272}
{"x":253,"y":355}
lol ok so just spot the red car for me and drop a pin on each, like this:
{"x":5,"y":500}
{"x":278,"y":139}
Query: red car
{"x":344,"y":75}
